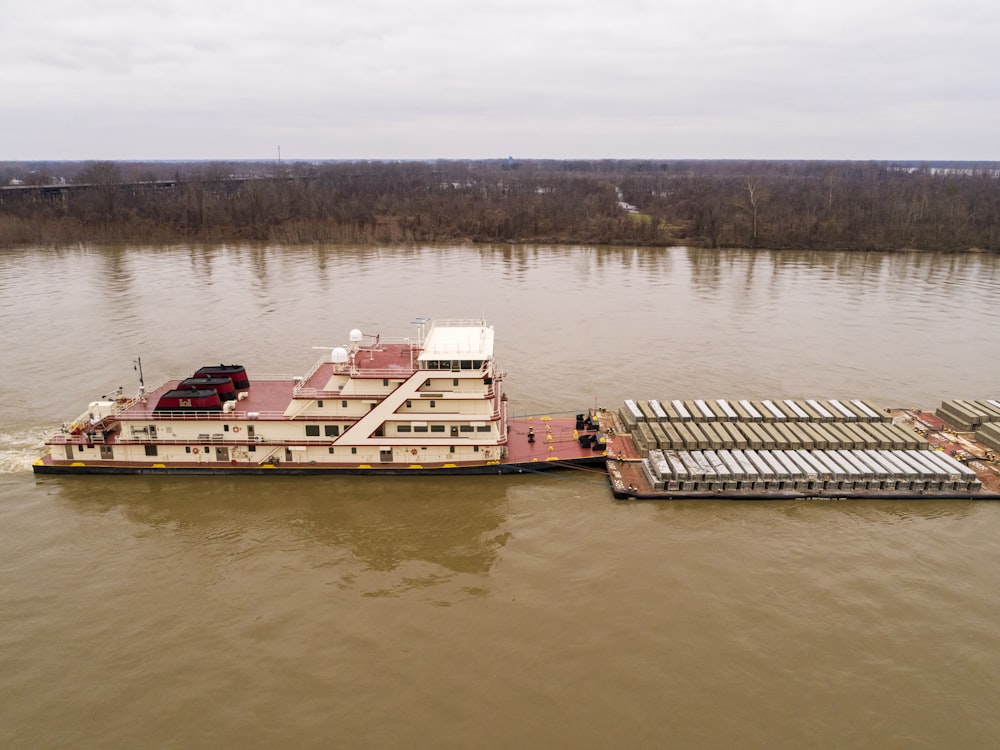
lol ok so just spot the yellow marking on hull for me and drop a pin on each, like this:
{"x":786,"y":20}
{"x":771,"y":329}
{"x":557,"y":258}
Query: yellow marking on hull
{"x":159,"y":466}
{"x":78,"y":463}
{"x":492,"y":463}
{"x":415,"y":466}
{"x":449,"y":466}
{"x":364,"y":466}
{"x":552,"y":458}
{"x":267,"y":466}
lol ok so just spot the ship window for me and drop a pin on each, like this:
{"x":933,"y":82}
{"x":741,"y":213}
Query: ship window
{"x":252,"y":448}
{"x":466,"y":364}
{"x":206,"y":449}
{"x":319,"y":404}
{"x":225,"y":428}
{"x":331,"y":430}
{"x":451,"y":448}
{"x":477,"y":364}
{"x":354,"y":450}
{"x":454,"y":381}
{"x":437,"y":428}
{"x":330,"y":449}
{"x":385,"y":381}
{"x":475,"y":448}
{"x":343,"y":404}
{"x":465,"y":428}
{"x":80,"y":448}
{"x":484,"y":428}
{"x":432,"y":404}
{"x":187,"y":449}
{"x":150,"y":450}
{"x":312,"y":430}
{"x":409,"y":405}
{"x":403,"y":428}
{"x":420,"y":428}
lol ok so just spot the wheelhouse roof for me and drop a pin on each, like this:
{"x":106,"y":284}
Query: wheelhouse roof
{"x":458,"y":340}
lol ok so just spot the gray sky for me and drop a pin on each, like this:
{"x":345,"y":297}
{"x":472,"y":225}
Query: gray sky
{"x":386,"y":79}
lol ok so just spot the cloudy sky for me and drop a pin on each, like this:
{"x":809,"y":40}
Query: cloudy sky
{"x":387,"y":79}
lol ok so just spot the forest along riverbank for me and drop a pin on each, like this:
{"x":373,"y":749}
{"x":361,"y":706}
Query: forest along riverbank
{"x":861,"y":206}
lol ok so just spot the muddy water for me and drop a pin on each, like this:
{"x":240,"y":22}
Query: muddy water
{"x":493,"y":612}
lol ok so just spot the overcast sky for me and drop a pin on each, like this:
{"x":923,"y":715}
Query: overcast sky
{"x":414,"y":79}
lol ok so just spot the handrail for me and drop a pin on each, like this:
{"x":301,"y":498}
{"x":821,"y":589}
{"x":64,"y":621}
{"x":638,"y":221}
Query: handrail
{"x":312,"y":371}
{"x":268,"y":456}
{"x":316,"y":393}
{"x":210,"y":416}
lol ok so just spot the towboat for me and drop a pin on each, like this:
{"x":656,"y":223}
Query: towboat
{"x":431,"y":403}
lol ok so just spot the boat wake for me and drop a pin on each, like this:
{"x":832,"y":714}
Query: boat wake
{"x":20,"y":448}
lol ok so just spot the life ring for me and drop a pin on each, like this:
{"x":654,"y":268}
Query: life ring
{"x":414,"y":451}
{"x":194,"y":450}
{"x":236,"y":428}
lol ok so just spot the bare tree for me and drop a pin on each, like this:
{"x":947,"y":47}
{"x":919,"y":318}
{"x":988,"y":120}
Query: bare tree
{"x":752,"y":206}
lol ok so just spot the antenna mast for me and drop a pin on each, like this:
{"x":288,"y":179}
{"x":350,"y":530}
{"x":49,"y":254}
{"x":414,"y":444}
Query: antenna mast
{"x":137,"y":365}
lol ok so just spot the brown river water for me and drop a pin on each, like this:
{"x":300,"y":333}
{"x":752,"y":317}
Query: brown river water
{"x":527,"y":611}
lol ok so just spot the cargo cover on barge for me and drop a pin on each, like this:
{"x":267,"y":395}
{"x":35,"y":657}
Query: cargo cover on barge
{"x":429,"y":404}
{"x":771,"y":449}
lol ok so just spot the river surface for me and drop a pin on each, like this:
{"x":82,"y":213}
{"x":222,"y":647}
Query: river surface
{"x":493,"y":612}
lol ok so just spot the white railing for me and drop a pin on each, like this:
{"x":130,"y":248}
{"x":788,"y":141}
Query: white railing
{"x":210,"y":416}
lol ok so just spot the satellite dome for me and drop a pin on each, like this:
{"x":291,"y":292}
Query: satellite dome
{"x":356,"y":335}
{"x":338,"y":356}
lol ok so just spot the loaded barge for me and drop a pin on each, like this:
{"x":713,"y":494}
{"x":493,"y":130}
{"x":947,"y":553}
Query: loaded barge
{"x":432,"y":403}
{"x":784,"y":449}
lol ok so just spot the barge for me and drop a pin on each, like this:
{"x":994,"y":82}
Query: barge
{"x":810,"y":448}
{"x":432,"y":403}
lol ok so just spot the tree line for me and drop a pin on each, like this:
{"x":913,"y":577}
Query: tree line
{"x":766,"y":204}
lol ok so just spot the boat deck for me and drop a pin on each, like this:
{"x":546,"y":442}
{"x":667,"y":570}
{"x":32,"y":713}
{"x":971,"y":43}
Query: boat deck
{"x":268,"y":398}
{"x":556,"y":440}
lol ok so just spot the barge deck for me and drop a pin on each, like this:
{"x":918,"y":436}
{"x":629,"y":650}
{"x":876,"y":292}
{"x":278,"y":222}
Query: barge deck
{"x":770,"y":450}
